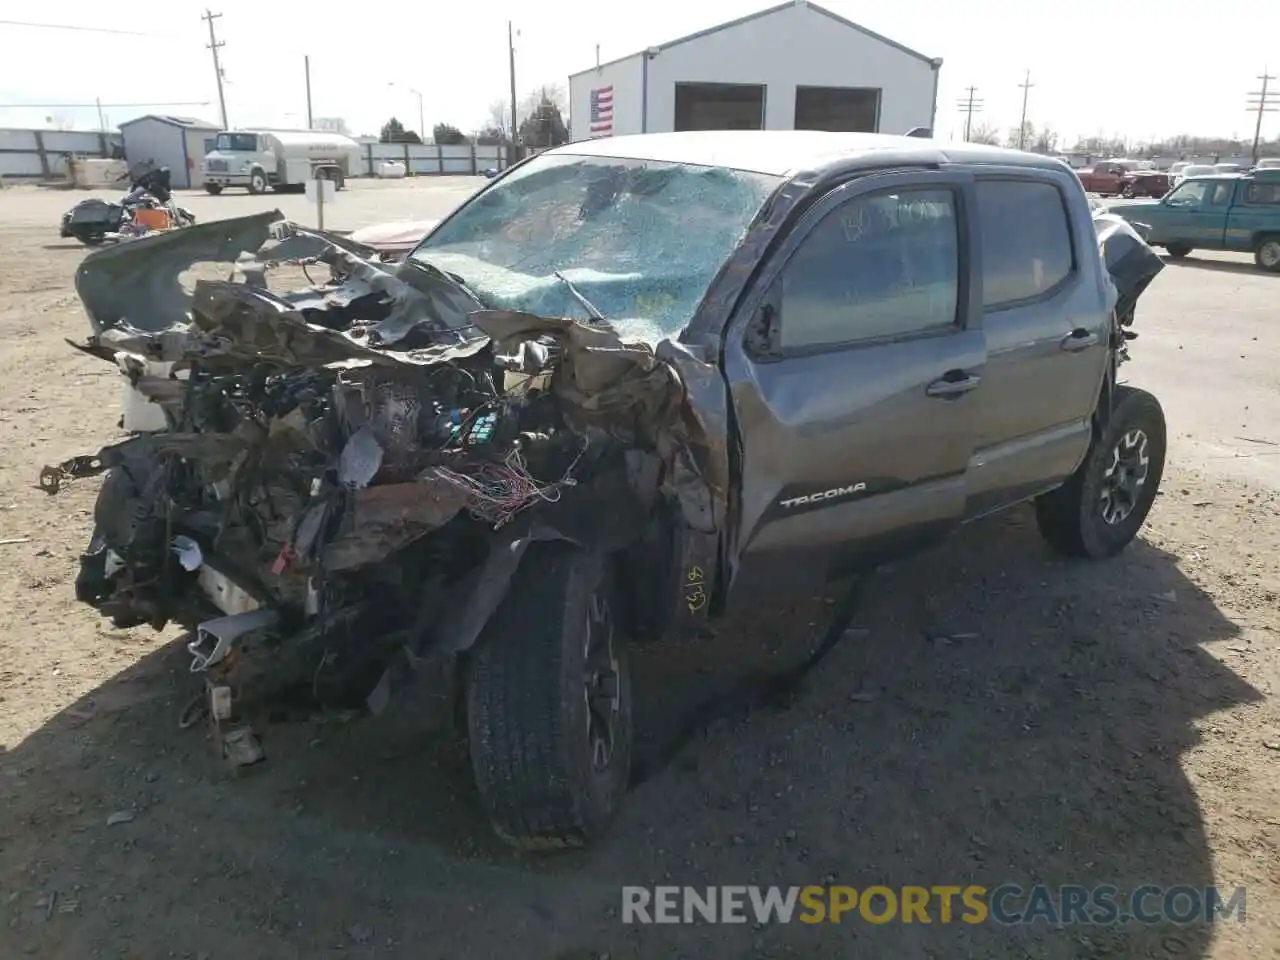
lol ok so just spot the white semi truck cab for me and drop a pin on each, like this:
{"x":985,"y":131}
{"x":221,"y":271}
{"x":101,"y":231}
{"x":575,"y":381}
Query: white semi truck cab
{"x":279,"y":159}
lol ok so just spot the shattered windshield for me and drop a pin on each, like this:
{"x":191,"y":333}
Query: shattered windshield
{"x":640,"y":241}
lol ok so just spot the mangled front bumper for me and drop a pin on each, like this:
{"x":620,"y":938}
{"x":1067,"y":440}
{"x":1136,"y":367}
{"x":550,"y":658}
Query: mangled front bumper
{"x":358,"y":468}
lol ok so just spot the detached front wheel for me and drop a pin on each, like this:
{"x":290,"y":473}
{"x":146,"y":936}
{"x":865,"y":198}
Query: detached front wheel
{"x":549,"y":703}
{"x":1101,"y":508}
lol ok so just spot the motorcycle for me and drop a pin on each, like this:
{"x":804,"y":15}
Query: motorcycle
{"x":146,"y":208}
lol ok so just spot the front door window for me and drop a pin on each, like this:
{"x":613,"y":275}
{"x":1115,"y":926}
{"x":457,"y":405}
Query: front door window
{"x":1190,"y":195}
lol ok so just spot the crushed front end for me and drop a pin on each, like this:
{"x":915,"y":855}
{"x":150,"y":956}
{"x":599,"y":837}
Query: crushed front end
{"x":349,"y":474}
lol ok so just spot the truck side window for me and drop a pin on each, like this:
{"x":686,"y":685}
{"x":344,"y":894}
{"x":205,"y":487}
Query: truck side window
{"x":1026,"y":241}
{"x":1263,"y":193}
{"x":882,"y":265}
{"x":1190,"y":194}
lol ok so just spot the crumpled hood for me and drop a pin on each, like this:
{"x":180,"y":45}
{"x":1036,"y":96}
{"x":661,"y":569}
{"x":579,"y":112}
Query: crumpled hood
{"x":397,"y":236}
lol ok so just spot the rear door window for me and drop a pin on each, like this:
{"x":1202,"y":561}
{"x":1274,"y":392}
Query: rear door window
{"x":1026,"y":241}
{"x":1267,"y":194}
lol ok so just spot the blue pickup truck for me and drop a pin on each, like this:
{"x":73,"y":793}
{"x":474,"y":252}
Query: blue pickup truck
{"x":1239,"y":211}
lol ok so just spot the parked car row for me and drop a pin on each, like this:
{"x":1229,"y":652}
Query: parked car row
{"x":1219,"y":211}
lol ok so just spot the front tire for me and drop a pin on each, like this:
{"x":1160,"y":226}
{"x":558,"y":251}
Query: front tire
{"x":1177,"y":250}
{"x":1101,"y":508}
{"x":257,"y":182}
{"x":1267,"y":254}
{"x":549,"y":703}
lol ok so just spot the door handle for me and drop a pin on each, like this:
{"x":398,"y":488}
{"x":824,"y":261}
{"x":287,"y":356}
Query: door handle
{"x":1079,"y":339}
{"x":953,"y":384}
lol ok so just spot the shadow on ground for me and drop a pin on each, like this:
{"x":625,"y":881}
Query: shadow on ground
{"x":993,"y":715}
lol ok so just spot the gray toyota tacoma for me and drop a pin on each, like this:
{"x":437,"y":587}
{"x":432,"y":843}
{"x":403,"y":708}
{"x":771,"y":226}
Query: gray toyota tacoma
{"x":630,"y":384}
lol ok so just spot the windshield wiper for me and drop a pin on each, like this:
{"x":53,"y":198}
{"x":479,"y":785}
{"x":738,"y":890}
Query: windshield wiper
{"x":581,"y":297}
{"x":456,"y":279}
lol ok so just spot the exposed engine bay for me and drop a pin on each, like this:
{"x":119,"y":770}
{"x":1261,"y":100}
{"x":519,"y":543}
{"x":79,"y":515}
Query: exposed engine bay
{"x":353,"y":469}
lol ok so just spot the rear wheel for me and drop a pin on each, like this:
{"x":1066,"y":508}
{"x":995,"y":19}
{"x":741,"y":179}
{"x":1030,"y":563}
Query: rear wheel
{"x":1267,"y":254}
{"x":1177,"y":250}
{"x":549,"y":703}
{"x":213,"y":189}
{"x":1101,"y":508}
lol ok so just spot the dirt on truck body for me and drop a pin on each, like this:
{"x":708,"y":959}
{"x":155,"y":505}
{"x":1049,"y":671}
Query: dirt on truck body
{"x":432,"y":467}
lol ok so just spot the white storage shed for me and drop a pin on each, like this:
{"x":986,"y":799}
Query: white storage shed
{"x":178,"y":143}
{"x":796,"y":66}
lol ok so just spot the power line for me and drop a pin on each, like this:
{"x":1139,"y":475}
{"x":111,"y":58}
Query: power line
{"x":89,"y":106}
{"x":1262,"y":101}
{"x":1026,"y":86}
{"x":75,"y":27}
{"x":969,"y":106}
{"x":215,"y":44}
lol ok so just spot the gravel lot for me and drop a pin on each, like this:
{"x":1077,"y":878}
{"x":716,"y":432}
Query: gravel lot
{"x":1110,"y":723}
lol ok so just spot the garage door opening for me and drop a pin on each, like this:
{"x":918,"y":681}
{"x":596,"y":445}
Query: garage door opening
{"x":719,"y":106}
{"x":841,"y":109}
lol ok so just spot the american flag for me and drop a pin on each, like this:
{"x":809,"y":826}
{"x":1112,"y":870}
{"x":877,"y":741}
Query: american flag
{"x":602,"y":111}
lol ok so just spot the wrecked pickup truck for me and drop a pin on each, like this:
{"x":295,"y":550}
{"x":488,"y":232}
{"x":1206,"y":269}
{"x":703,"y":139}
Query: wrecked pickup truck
{"x":628,"y":385}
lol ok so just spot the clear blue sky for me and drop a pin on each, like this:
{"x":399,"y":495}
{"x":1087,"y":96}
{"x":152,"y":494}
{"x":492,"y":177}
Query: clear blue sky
{"x":1148,"y":73}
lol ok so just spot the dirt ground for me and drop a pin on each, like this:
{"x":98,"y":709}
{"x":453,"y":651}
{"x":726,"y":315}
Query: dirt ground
{"x":1085,"y":723}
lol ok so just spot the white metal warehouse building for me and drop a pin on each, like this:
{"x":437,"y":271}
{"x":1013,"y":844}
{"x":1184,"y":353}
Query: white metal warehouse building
{"x":792,"y":67}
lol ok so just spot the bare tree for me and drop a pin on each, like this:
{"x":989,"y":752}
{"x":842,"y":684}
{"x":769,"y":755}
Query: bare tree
{"x":533,"y":100}
{"x":1021,"y":138}
{"x":498,"y":116}
{"x":1045,"y":141}
{"x":984,"y":133}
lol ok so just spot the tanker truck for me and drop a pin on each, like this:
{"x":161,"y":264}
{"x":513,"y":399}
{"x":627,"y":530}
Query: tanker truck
{"x":279,"y":159}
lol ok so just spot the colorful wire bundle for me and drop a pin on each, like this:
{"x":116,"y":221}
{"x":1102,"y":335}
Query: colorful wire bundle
{"x":496,"y":492}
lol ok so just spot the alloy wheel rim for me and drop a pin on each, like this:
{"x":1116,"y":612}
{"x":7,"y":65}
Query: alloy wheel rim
{"x":1124,"y":478}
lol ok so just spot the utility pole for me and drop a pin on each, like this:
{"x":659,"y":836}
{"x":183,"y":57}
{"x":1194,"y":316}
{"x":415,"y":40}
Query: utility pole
{"x":969,"y":106}
{"x":306,"y":63}
{"x":511,"y":55}
{"x":1026,"y":85}
{"x":215,"y":45}
{"x":102,"y":122}
{"x":1263,"y":101}
{"x":597,"y":56}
